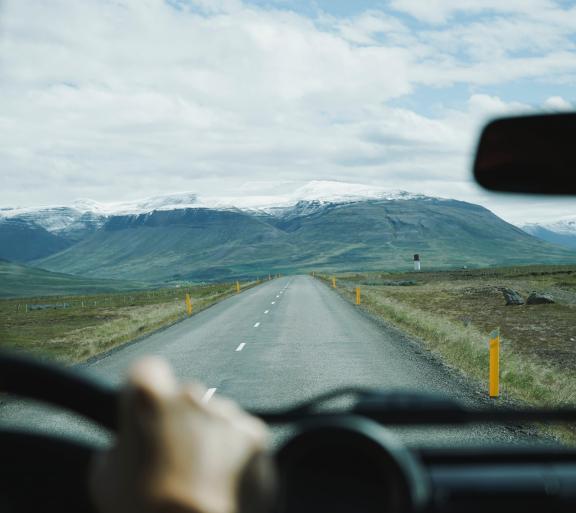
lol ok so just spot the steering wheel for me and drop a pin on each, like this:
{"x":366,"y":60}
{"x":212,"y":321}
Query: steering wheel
{"x":336,"y":461}
{"x":353,"y":458}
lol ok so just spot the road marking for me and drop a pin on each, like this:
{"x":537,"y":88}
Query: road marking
{"x":273,"y":303}
{"x":208,"y":395}
{"x":241,"y":346}
{"x":257,"y":324}
{"x":266,"y":311}
{"x":277,"y":296}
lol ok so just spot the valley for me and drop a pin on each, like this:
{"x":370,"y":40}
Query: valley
{"x":19,"y":280}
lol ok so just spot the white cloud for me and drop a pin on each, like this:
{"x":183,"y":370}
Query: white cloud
{"x":557,"y":103}
{"x":366,"y":28}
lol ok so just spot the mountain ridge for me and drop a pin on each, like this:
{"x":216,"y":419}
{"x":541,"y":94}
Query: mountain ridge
{"x":201,"y":243}
{"x":561,"y":231}
{"x":330,"y":226}
{"x":57,"y":217}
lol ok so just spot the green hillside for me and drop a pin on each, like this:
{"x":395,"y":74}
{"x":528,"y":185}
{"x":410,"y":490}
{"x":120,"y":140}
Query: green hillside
{"x":18,"y":280}
{"x":446,"y":233}
{"x":22,"y":241}
{"x":174,"y":245}
{"x":209,"y":244}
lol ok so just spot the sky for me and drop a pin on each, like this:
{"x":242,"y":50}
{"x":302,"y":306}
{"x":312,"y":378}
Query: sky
{"x":116,"y":100}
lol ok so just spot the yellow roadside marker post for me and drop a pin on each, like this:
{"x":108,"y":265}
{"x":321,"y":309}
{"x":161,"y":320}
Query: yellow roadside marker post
{"x":494,"y":386}
{"x":237,"y":286}
{"x":333,"y":282}
{"x":188,"y":304}
{"x":357,"y":295}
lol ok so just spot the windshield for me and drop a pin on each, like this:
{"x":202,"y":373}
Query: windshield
{"x":277,"y":197}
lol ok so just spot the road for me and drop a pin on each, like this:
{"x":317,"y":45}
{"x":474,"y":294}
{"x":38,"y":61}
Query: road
{"x":283,"y":341}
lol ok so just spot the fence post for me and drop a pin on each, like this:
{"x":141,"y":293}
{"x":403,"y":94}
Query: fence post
{"x":237,"y":286}
{"x":333,"y":282}
{"x":357,"y":295}
{"x":494,"y":385}
{"x":188,"y":304}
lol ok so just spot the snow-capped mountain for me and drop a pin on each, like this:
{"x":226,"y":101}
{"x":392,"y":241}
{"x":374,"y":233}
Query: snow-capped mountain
{"x":565,"y":225}
{"x":561,"y":231}
{"x":85,"y":215}
{"x":317,"y":194}
{"x":69,"y":222}
{"x":163,"y":202}
{"x":321,"y":225}
{"x":344,"y":192}
{"x":60,"y":218}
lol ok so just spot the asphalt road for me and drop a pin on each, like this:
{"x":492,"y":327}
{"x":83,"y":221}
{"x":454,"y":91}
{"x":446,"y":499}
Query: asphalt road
{"x":281,"y":342}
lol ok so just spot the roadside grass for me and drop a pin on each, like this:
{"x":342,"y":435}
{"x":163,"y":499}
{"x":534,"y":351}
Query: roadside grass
{"x":453,"y":312}
{"x":91,"y":325}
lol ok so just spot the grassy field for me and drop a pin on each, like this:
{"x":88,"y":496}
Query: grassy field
{"x":453,"y":312}
{"x":72,"y":329}
{"x":18,"y":280}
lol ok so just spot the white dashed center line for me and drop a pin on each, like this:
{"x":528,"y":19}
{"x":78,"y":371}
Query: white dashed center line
{"x":241,"y":346}
{"x":266,"y":311}
{"x":273,"y":303}
{"x":208,"y":395}
{"x":277,"y":296}
{"x":257,"y":324}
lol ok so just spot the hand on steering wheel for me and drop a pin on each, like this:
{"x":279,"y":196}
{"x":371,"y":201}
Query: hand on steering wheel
{"x":176,"y":453}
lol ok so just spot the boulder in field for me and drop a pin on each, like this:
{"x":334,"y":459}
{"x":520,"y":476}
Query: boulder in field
{"x":399,"y":283}
{"x":512,"y":297}
{"x":537,"y":298}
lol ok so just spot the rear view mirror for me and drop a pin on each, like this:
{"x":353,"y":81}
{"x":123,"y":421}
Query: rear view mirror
{"x":528,"y":154}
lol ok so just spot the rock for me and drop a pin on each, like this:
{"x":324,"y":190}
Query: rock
{"x":512,"y":297}
{"x":46,"y":307}
{"x":399,"y":283}
{"x":536,"y":298}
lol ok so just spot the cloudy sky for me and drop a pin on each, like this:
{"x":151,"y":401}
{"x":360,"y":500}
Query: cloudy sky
{"x":116,"y":100}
